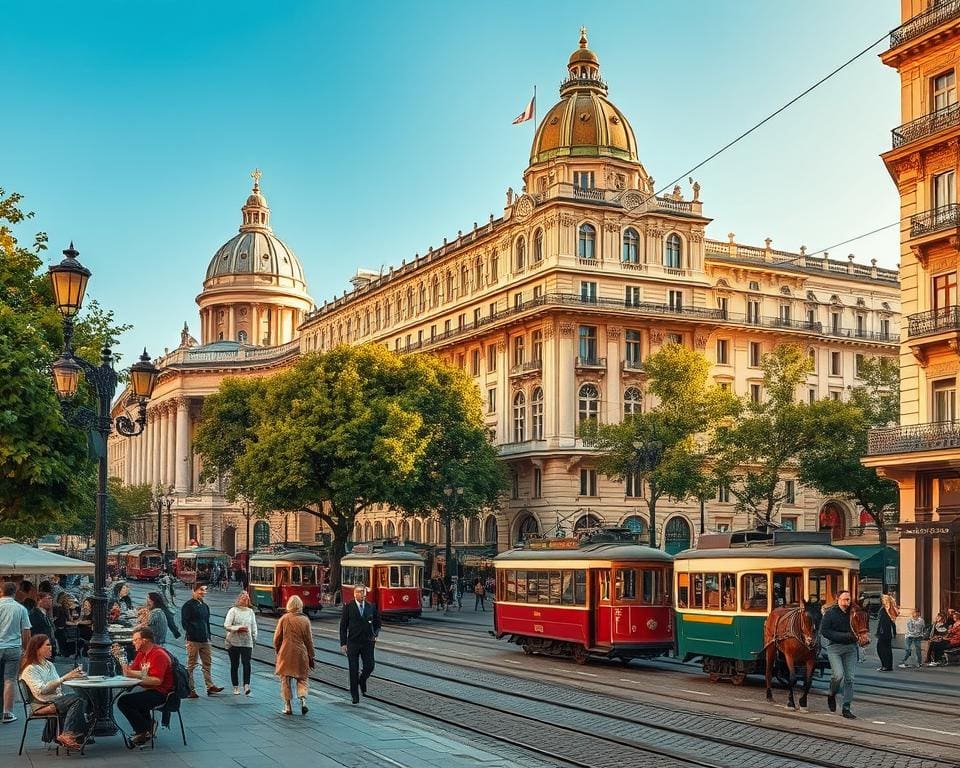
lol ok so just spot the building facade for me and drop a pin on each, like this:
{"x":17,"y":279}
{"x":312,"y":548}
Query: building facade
{"x":554,"y":306}
{"x":923,"y":454}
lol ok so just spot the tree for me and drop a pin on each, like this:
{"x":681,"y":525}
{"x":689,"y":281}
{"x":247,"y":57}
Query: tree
{"x":45,"y":472}
{"x":767,"y":438}
{"x":838,"y":441}
{"x":658,"y":447}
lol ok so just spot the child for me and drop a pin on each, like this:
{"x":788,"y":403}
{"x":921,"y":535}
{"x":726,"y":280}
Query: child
{"x":915,"y":634}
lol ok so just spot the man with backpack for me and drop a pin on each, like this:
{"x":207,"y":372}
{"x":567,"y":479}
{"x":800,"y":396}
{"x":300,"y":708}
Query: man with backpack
{"x":153,"y":667}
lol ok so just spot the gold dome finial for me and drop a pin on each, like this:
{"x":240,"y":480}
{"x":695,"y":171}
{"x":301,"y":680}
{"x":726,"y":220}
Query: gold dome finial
{"x":256,"y":179}
{"x":583,"y":37}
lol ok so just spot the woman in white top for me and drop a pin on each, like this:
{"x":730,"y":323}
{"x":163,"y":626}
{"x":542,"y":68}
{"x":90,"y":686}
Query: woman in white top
{"x":44,"y":682}
{"x":241,"y":626}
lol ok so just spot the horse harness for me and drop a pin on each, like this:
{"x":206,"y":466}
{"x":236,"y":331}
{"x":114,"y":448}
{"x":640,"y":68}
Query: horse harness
{"x":789,"y":626}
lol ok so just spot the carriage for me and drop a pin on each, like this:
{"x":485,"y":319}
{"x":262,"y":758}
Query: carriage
{"x":117,"y":559}
{"x":143,"y":563}
{"x":276,"y":577}
{"x":726,"y":587}
{"x":394,"y":579}
{"x":195,"y":566}
{"x":606,"y":595}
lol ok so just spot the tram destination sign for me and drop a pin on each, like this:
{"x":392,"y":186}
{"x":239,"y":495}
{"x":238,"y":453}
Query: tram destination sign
{"x":933,"y":530}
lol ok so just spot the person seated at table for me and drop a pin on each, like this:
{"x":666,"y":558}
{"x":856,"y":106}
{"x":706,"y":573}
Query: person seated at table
{"x":152,"y":667}
{"x":44,"y":682}
{"x":85,"y":622}
{"x":949,"y":642}
{"x":121,"y":595}
{"x":62,"y":619}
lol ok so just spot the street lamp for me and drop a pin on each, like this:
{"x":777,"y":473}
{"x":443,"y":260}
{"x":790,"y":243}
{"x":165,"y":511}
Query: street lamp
{"x":454,"y":496}
{"x":649,"y":453}
{"x":162,"y":502}
{"x":69,"y":280}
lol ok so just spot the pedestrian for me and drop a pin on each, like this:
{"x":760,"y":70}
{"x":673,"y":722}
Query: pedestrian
{"x":840,"y":643}
{"x":171,"y":589}
{"x":153,"y":668}
{"x":242,"y":579}
{"x":45,"y":684}
{"x":886,"y":631}
{"x":195,"y":619}
{"x":943,"y":643}
{"x":159,"y":602}
{"x":241,"y":626}
{"x":40,"y":621}
{"x":915,"y":633}
{"x":14,"y":638}
{"x":479,"y":595}
{"x":359,"y":629}
{"x":293,"y":642}
{"x":156,"y":618}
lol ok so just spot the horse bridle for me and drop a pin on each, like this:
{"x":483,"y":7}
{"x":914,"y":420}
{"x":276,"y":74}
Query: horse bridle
{"x":795,"y":617}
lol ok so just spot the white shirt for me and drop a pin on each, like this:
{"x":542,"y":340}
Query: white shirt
{"x":240,"y":617}
{"x":38,"y":676}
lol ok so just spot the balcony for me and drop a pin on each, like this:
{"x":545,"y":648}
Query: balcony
{"x":592,"y":363}
{"x":934,"y":321}
{"x":924,"y":22}
{"x":927,"y":125}
{"x":532,"y":366}
{"x":631,"y":366}
{"x":935,"y":224}
{"x":935,"y":436}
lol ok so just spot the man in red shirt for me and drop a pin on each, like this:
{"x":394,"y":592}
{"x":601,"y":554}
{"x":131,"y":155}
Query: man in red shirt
{"x":151,"y":666}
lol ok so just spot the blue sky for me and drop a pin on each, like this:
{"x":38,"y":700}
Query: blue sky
{"x":381,"y":128}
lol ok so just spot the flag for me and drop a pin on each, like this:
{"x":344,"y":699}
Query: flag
{"x":527,"y":114}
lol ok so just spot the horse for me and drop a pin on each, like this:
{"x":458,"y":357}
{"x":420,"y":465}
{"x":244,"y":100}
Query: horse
{"x":792,"y":632}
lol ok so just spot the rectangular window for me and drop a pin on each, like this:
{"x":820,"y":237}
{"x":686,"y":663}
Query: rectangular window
{"x":722,"y":305}
{"x":885,"y":329}
{"x":633,"y":485}
{"x":588,"y":482}
{"x":537,"y":345}
{"x":755,"y":354}
{"x":753,"y":592}
{"x":812,"y":395}
{"x":944,"y":90}
{"x":632,"y":350}
{"x":861,"y":326}
{"x":491,"y":358}
{"x":631,"y":296}
{"x":588,"y":292}
{"x":722,"y":354}
{"x":835,"y":322}
{"x":944,"y":290}
{"x":858,"y":365}
{"x":811,"y":317}
{"x":537,"y":292}
{"x":461,"y":321}
{"x":588,"y":343}
{"x":583,"y":179}
{"x":789,"y":523}
{"x":790,"y":494}
{"x":462,"y":361}
{"x":476,"y":316}
{"x":518,"y":350}
{"x":433,"y":332}
{"x":723,"y":493}
{"x":420,"y":336}
{"x":835,"y":394}
{"x":755,"y":393}
{"x":492,"y":400}
{"x":675,"y":300}
{"x":446,"y":327}
{"x":944,"y":189}
{"x":674,"y":338}
{"x":835,"y":364}
{"x":945,"y":400}
{"x":753,"y":312}
{"x":518,"y":300}
{"x":407,"y":343}
{"x":493,"y":308}
{"x":785,"y":314}
{"x":537,"y":482}
{"x":475,"y":362}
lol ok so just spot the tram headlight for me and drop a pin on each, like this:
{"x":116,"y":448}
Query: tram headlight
{"x":652,"y":624}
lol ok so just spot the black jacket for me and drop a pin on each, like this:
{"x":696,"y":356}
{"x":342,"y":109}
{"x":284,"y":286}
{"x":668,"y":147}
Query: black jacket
{"x":836,"y":627}
{"x":195,"y":618}
{"x":40,"y":623}
{"x":886,"y":629}
{"x":357,"y":629}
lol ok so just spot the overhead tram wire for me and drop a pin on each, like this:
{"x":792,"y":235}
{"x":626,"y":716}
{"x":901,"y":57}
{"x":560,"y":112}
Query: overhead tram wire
{"x":772,"y":115}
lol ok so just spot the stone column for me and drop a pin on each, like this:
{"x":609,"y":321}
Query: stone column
{"x":170,"y":445}
{"x":548,"y":378}
{"x":164,"y":434}
{"x":155,"y":449}
{"x":503,"y":392}
{"x":232,"y":323}
{"x":614,"y":395}
{"x":255,"y":336}
{"x":567,"y":379}
{"x":182,"y":453}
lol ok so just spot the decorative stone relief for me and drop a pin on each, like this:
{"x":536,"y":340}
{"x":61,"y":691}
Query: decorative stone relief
{"x":633,"y":199}
{"x":656,"y":336}
{"x":943,"y":369}
{"x":567,"y":329}
{"x":548,"y":332}
{"x":614,"y":331}
{"x":567,"y":219}
{"x":700,"y":340}
{"x":611,"y":226}
{"x":524,"y":207}
{"x":942,"y":262}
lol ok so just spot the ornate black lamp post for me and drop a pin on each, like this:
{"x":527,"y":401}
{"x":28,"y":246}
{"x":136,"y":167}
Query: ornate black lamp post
{"x":69,"y":279}
{"x":649,"y":453}
{"x":162,"y":503}
{"x":454,"y":495}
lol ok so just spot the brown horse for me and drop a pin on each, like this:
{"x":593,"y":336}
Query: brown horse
{"x":791,"y":632}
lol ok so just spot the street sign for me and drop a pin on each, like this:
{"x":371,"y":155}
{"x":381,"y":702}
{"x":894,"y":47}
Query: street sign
{"x":932,"y":530}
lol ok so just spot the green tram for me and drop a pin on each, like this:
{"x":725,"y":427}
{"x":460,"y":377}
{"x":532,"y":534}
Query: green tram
{"x":726,"y":587}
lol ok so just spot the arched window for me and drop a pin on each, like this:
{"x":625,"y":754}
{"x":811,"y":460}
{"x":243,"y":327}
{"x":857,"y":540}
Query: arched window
{"x":632,"y":402}
{"x":494,"y":266}
{"x":588,"y":406}
{"x":473,"y":534}
{"x":391,"y":529}
{"x":357,"y":532}
{"x":378,"y":530}
{"x":631,"y":246}
{"x":490,"y":529}
{"x":435,"y":291}
{"x":672,"y":252}
{"x":635,"y":524}
{"x":431,"y":531}
{"x":676,"y":536}
{"x":242,"y":337}
{"x":409,"y":302}
{"x":833,"y":519}
{"x":261,"y":534}
{"x":386,"y":312}
{"x":521,"y":259}
{"x":536,"y":414}
{"x":587,"y":242}
{"x":519,"y":417}
{"x":528,"y":526}
{"x":368,"y":532}
{"x":587,"y":521}
{"x":422,"y":297}
{"x":464,"y":280}
{"x":449,"y":291}
{"x":478,"y":272}
{"x":538,"y":246}
{"x":457,"y":531}
{"x":416,"y":531}
{"x":404,"y":531}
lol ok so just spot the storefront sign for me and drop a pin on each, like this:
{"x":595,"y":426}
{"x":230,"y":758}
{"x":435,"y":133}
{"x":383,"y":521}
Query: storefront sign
{"x":938,"y":530}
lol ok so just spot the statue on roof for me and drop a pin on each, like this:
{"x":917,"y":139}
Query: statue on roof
{"x":186,"y":340}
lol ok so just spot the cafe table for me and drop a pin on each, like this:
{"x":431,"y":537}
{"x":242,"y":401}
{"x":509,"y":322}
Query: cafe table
{"x":102,"y":692}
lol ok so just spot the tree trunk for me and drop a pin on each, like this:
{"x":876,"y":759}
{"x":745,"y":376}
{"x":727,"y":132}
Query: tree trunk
{"x":882,"y":537}
{"x":338,"y":548}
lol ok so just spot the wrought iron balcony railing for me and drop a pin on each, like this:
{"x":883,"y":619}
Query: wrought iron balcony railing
{"x":528,"y":367}
{"x":927,"y":125}
{"x":591,"y":362}
{"x":935,"y":220}
{"x":941,"y":11}
{"x":934,"y":436}
{"x":934,"y":321}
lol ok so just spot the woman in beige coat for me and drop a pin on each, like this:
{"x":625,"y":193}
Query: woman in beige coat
{"x":293,"y":642}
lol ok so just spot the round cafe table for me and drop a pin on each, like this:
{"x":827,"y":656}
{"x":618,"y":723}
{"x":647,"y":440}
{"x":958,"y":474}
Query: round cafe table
{"x":102,"y":692}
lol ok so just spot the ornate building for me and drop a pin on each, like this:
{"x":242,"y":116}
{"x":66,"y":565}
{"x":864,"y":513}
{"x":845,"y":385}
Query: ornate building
{"x":923,"y":454}
{"x":554,"y":306}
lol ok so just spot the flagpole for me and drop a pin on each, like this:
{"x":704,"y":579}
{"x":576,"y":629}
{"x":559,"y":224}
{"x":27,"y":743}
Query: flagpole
{"x":534,"y":109}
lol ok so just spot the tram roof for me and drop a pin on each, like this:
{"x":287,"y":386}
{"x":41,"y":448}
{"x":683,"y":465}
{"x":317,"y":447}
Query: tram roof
{"x":294,"y":556}
{"x":384,"y":557}
{"x":618,"y":551}
{"x":139,"y":550}
{"x":775,"y":552}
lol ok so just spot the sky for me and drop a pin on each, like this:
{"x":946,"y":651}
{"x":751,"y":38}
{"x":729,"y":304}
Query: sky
{"x":383,"y":127}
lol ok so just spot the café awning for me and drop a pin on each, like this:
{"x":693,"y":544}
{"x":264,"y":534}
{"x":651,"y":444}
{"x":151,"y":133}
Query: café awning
{"x":18,"y":558}
{"x":873,"y":558}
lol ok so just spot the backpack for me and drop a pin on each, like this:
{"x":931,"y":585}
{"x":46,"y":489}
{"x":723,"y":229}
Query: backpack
{"x":181,"y":680}
{"x":478,"y":589}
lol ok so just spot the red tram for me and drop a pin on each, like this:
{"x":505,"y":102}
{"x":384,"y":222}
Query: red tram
{"x":143,"y":563}
{"x":564,"y":597}
{"x":394,"y":579}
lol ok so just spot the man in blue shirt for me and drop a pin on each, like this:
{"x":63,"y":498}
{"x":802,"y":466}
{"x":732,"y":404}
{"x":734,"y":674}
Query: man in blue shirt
{"x":14,"y":636}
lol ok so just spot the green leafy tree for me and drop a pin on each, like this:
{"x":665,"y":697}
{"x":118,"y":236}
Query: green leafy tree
{"x":659,"y":446}
{"x":767,"y":439}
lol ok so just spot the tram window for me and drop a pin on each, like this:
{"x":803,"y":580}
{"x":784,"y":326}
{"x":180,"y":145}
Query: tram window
{"x":295,"y":575}
{"x":521,"y":586}
{"x":261,"y":575}
{"x":394,"y":575}
{"x":697,"y":595}
{"x":786,"y":588}
{"x":566,"y":592}
{"x":580,"y":587}
{"x":382,"y":574}
{"x":555,"y":588}
{"x":753,"y":589}
{"x":823,"y":585}
{"x":626,"y":584}
{"x":603,"y":579}
{"x":511,"y":581}
{"x":533,"y":586}
{"x":309,"y":574}
{"x":283,"y":577}
{"x":651,"y":586}
{"x":401,"y":575}
{"x":728,"y":591}
{"x":683,"y":590}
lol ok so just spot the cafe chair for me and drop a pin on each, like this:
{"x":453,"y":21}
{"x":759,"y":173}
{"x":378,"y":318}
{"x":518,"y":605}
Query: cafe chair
{"x":170,"y":706}
{"x":28,"y":715}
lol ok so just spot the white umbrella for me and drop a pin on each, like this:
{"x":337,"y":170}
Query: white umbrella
{"x":20,"y":559}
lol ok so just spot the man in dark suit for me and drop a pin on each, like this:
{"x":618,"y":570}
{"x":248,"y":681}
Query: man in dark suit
{"x":359,"y":627}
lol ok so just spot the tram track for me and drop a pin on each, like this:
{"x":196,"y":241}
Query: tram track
{"x":640,"y":723}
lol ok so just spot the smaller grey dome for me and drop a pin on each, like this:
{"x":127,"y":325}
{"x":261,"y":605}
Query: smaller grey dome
{"x":256,"y":253}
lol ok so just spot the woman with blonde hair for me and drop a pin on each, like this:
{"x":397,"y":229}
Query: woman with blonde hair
{"x":293,"y":642}
{"x":241,"y":625}
{"x":886,"y":629}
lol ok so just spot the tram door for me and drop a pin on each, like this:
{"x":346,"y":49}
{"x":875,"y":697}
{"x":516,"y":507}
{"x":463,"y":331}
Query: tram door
{"x":626,"y":609}
{"x":603,"y":609}
{"x":381,"y":580}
